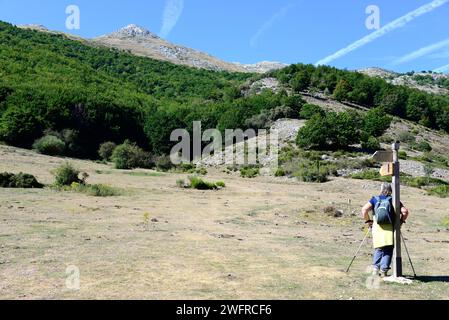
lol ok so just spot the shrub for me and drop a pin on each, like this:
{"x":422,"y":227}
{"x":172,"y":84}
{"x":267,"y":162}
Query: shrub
{"x":423,"y":146}
{"x":280,"y":172}
{"x":200,"y":184}
{"x":441,"y":191}
{"x":371,"y":144}
{"x":21,"y":180}
{"x":249,"y":172}
{"x":106,"y":150}
{"x":309,"y":110}
{"x":406,"y":137}
{"x":376,"y":121}
{"x":66,"y":175}
{"x":220,"y":184}
{"x":50,"y":145}
{"x":95,"y":190}
{"x":370,"y":175}
{"x":312,"y":173}
{"x":164,"y":163}
{"x":402,"y":155}
{"x":129,"y":156}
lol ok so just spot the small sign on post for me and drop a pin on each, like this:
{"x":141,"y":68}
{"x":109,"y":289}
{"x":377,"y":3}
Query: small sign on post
{"x":383,"y":156}
{"x":387,"y":170}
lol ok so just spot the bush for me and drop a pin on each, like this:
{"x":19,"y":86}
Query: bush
{"x":370,"y":175}
{"x":106,"y":150}
{"x":280,"y":172}
{"x":50,"y":145}
{"x":164,"y":163}
{"x":371,"y":144}
{"x":200,"y":184}
{"x":337,"y":131}
{"x":95,"y":190}
{"x":21,"y":180}
{"x":249,"y":172}
{"x":423,"y":146}
{"x":403,"y":155}
{"x":441,"y":191}
{"x":129,"y":156}
{"x":66,"y":175}
{"x":376,"y":122}
{"x":309,"y":110}
{"x":312,"y":173}
{"x":220,"y":184}
{"x":406,"y":137}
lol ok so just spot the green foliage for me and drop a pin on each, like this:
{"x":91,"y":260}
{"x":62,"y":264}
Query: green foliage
{"x":249,"y":172}
{"x":95,"y":190}
{"x":347,"y":86}
{"x":50,"y":145}
{"x":335,"y":131}
{"x":371,"y":144}
{"x":66,"y":174}
{"x":402,"y":155}
{"x":129,"y":156}
{"x":106,"y":150}
{"x":220,"y":184}
{"x":51,"y":82}
{"x":406,"y":137}
{"x":422,"y":146}
{"x":312,"y":172}
{"x":342,"y":90}
{"x":200,"y":184}
{"x":441,"y":191}
{"x":164,"y":163}
{"x":309,"y":110}
{"x":21,"y":180}
{"x":280,"y":172}
{"x":376,"y":121}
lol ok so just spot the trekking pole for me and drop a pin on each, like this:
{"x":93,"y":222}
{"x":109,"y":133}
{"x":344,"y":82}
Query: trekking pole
{"x":408,"y":254}
{"x":358,"y":250}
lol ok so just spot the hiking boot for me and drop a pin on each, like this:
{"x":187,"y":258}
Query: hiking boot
{"x":384,"y":273}
{"x":375,"y":272}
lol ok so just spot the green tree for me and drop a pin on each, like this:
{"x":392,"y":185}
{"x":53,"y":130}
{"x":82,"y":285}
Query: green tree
{"x":342,"y":90}
{"x":376,"y":121}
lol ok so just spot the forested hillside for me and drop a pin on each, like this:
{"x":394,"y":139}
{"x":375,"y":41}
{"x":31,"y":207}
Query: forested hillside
{"x":89,"y":95}
{"x":430,"y":110}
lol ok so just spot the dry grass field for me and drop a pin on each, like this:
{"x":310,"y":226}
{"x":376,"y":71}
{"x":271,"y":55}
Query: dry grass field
{"x":261,"y":238}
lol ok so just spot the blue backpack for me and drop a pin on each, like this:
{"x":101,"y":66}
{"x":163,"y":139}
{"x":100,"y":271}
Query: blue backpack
{"x":384,"y":211}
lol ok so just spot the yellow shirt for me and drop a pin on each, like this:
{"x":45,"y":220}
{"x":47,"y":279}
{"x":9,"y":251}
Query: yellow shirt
{"x":382,"y":235}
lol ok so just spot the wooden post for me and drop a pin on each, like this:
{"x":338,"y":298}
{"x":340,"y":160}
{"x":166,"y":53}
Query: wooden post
{"x":397,"y":257}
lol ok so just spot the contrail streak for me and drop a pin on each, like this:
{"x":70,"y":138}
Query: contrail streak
{"x":398,"y":23}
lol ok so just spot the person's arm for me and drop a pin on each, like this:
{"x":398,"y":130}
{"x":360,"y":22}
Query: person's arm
{"x":365,"y":212}
{"x":404,"y":214}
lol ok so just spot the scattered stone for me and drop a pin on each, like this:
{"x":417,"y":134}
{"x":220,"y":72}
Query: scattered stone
{"x":154,"y":220}
{"x":398,"y":280}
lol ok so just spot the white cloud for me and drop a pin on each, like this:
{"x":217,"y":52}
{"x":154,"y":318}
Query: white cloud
{"x":422,"y":52}
{"x":268,"y":24}
{"x":442,"y":69}
{"x":398,"y":23}
{"x":172,"y":12}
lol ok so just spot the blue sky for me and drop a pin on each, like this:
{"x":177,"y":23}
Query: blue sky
{"x":290,"y":31}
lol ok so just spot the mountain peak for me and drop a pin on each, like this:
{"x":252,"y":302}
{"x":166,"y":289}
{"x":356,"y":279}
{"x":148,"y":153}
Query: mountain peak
{"x":134,"y":30}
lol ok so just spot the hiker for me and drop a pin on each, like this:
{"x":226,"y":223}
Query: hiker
{"x":382,"y":225}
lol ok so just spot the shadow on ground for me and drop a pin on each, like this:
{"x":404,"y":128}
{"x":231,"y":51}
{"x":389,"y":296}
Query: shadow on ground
{"x":433,"y":278}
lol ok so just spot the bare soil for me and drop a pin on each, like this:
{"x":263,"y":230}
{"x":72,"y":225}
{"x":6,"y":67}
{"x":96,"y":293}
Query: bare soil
{"x":263,"y":238}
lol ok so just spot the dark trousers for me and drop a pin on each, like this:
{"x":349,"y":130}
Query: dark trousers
{"x":382,"y":258}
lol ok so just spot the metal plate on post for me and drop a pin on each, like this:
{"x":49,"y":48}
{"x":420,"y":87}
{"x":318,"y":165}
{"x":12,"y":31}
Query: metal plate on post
{"x":383,"y":156}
